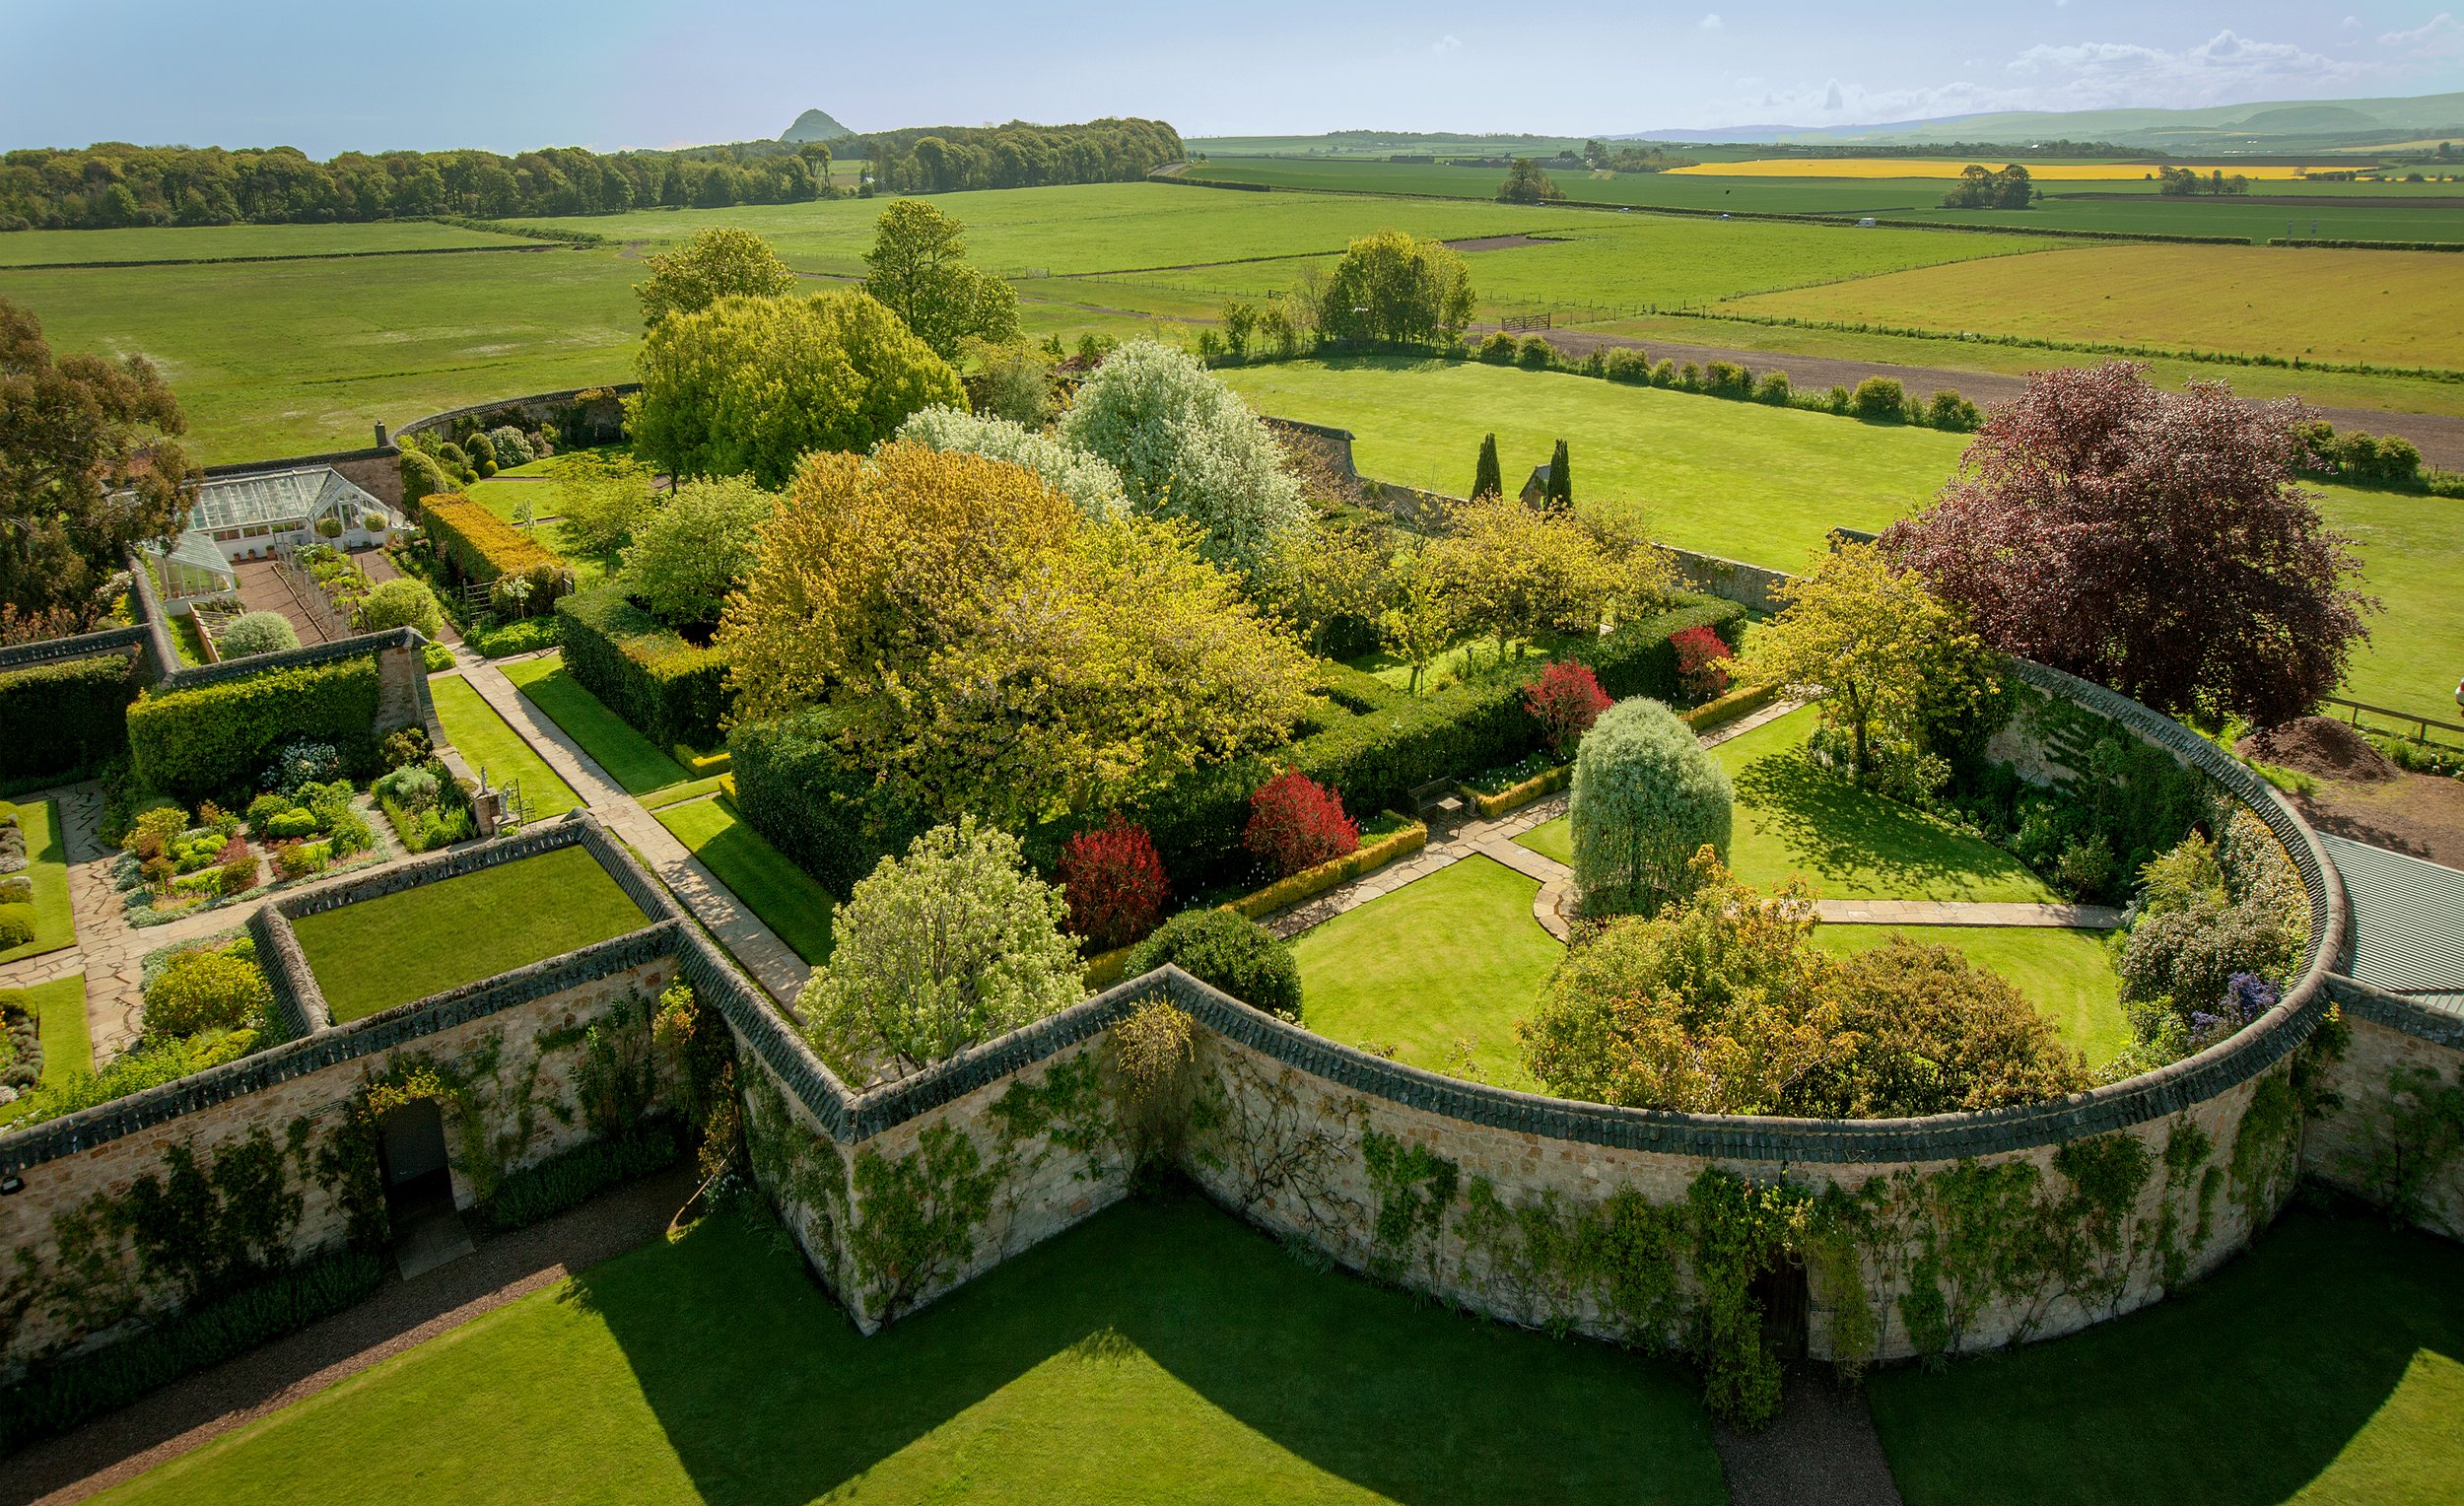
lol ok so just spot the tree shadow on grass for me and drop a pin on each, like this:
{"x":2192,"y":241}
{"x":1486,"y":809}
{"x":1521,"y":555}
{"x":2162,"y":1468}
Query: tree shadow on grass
{"x":1062,"y":1374}
{"x":1843,"y":836}
{"x":2314,"y":1357}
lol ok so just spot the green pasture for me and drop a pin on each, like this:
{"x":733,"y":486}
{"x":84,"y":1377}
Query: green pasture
{"x":206,"y":242}
{"x":2325,"y":1367}
{"x":786,"y":897}
{"x":2343,"y":211}
{"x":1155,"y":1353}
{"x":1766,"y":485}
{"x":374,"y":954}
{"x":1453,"y":957}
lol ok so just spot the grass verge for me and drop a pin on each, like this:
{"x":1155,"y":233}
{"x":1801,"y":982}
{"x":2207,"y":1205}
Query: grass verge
{"x":632,"y":760}
{"x":783,"y":895}
{"x":390,"y":950}
{"x":46,"y":852}
{"x":488,"y":741}
{"x":1156,"y":1353}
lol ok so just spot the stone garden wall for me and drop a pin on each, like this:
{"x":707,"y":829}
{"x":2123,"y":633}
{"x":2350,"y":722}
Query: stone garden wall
{"x":2380,"y":1131}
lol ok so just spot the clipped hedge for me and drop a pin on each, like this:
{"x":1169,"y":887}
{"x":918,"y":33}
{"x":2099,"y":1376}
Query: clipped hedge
{"x":483,"y":547}
{"x":58,"y":1397}
{"x":668,"y":689}
{"x":829,"y":817}
{"x":191,"y":744}
{"x":65,"y":716}
{"x":1374,"y":743}
{"x":1307,"y":883}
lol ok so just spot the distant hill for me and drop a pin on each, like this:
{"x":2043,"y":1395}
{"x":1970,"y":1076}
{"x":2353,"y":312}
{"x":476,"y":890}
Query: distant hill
{"x":2274,"y":125}
{"x":814,"y":126}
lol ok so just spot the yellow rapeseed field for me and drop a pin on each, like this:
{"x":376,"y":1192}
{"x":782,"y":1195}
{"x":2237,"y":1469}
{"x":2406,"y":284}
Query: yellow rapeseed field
{"x":1947,"y":167}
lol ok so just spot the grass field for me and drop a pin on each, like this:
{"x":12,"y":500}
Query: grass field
{"x":205,"y":243}
{"x":2341,"y":210}
{"x":632,"y":760}
{"x":488,"y":741}
{"x":46,"y":854}
{"x":2332,"y":305}
{"x":382,"y":952}
{"x":1946,"y":168}
{"x":2068,"y":974}
{"x":1768,"y":485}
{"x":1455,"y":956}
{"x":784,"y":896}
{"x":1156,"y":1353}
{"x":2325,"y":1366}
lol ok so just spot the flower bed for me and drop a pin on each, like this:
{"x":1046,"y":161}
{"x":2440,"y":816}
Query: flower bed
{"x":164,"y":874}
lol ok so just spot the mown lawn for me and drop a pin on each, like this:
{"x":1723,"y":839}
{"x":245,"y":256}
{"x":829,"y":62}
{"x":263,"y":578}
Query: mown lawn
{"x":60,"y":1011}
{"x":2068,"y":974}
{"x":786,"y":897}
{"x":406,"y":945}
{"x":632,"y":760}
{"x":1158,"y":1352}
{"x":488,"y":741}
{"x":1455,"y":957}
{"x":1791,"y":819}
{"x":2325,"y":1366}
{"x":1768,"y":485}
{"x":47,"y":854}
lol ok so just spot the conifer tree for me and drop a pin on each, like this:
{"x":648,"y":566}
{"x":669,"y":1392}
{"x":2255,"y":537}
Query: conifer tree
{"x":1560,"y":490}
{"x":1485,"y":480}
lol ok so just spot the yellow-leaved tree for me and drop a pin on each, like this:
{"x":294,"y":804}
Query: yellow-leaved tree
{"x":993,"y":651}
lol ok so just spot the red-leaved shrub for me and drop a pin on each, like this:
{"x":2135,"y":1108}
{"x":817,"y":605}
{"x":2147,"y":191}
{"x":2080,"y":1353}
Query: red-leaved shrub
{"x":1565,"y":699}
{"x":1699,"y":653}
{"x":1114,"y":882}
{"x":1295,"y":824}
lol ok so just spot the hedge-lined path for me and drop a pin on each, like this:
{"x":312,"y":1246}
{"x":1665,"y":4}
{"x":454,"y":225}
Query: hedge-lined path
{"x":401,"y":1315}
{"x":771,"y":961}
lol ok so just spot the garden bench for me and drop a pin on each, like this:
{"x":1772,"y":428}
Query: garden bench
{"x":1438,"y":796}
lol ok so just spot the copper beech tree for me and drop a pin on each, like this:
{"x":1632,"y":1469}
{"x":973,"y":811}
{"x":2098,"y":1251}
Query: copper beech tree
{"x":2160,"y":543}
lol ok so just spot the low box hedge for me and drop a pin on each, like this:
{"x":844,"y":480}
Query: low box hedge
{"x":191,"y":744}
{"x":62,"y":716}
{"x":1309,"y":883}
{"x":668,"y":689}
{"x":1736,"y":702}
{"x":1514,"y":797}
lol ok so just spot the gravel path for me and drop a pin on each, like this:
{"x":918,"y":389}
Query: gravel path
{"x":1821,"y":1452}
{"x":402,"y":1314}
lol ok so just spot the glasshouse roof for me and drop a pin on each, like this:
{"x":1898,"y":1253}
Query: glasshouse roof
{"x":277,"y":497}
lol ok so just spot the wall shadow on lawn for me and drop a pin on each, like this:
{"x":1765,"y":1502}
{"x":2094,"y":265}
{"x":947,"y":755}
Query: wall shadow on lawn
{"x":769,"y":1397}
{"x":1831,"y":826}
{"x":2330,"y":1348}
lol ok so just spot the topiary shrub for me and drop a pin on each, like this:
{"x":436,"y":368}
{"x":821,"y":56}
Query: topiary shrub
{"x":1229,"y":951}
{"x":254,"y":633}
{"x":1646,"y":797}
{"x":1115,"y":884}
{"x":400,"y":603}
{"x":216,"y":989}
{"x":511,"y":447}
{"x":481,"y":448}
{"x":422,"y":476}
{"x":1295,"y":823}
{"x":16,"y":924}
{"x":1565,"y":701}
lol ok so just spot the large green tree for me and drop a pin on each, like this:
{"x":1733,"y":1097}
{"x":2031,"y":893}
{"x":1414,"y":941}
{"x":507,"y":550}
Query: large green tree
{"x":722,"y":261}
{"x":89,"y":466}
{"x":1394,"y":289}
{"x":750,"y":385}
{"x":988,"y":648}
{"x":918,"y":268}
{"x":691,"y":553}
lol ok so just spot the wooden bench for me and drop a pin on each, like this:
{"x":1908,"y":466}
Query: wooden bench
{"x":1436,"y":795}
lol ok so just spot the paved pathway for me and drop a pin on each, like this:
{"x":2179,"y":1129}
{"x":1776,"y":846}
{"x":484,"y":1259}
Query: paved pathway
{"x":772,"y":962}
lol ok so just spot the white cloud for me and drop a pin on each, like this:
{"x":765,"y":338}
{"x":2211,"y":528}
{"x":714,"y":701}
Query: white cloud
{"x":2435,"y":27}
{"x":1448,"y":42}
{"x":2226,"y":68}
{"x":1710,"y":23}
{"x":2352,"y":22}
{"x":1833,"y":100}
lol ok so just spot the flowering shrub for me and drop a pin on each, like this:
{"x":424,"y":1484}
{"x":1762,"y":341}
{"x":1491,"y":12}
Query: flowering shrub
{"x":1567,"y":699}
{"x":1294,"y":823}
{"x":1115,"y":884}
{"x":1700,"y":655}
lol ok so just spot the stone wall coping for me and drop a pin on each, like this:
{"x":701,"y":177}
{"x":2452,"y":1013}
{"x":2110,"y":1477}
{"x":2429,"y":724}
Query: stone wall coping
{"x":439,"y":420}
{"x":193,"y":676}
{"x":2413,"y":1016}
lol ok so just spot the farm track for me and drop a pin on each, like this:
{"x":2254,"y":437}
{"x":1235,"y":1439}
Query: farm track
{"x":2440,"y":436}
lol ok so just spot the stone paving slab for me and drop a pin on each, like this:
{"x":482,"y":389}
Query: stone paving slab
{"x":1965,"y":913}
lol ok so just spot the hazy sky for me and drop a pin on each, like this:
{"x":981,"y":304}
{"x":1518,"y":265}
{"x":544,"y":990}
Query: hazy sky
{"x":509,"y":74}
